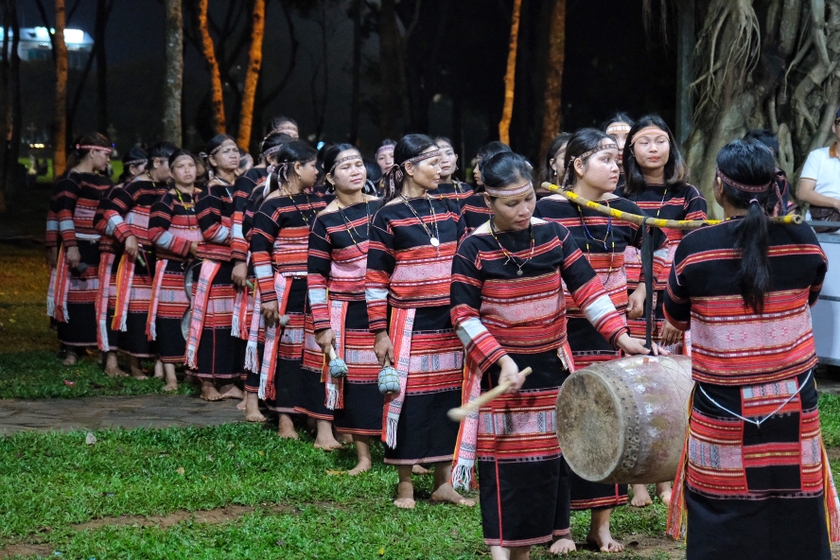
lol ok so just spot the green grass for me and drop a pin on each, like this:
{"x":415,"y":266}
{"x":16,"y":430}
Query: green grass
{"x":50,"y":483}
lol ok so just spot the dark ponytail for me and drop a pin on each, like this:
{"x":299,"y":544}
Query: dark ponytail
{"x":750,"y":164}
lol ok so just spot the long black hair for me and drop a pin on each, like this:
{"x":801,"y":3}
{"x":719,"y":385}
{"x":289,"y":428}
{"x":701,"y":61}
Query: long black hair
{"x":547,"y":172}
{"x":749,"y":162}
{"x":676,"y":172}
{"x":582,"y":141}
{"x":409,"y":146}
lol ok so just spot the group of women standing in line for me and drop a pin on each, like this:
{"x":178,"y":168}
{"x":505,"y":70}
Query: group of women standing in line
{"x":457,"y":288}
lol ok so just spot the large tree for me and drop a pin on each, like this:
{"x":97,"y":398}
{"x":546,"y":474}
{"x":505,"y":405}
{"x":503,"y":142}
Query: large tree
{"x":764,"y":64}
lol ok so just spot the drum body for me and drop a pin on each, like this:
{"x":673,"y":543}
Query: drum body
{"x":624,"y":421}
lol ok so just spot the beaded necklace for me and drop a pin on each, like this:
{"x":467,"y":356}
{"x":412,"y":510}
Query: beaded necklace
{"x":350,"y":225}
{"x":434,"y":240}
{"x":510,"y":257}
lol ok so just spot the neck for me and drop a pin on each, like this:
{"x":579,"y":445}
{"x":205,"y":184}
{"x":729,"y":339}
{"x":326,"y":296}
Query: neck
{"x":586,"y":190}
{"x":225,"y":175}
{"x":293,"y":187}
{"x":349,"y":198}
{"x":654,"y":176}
{"x":84,"y":166}
{"x":410,"y":189}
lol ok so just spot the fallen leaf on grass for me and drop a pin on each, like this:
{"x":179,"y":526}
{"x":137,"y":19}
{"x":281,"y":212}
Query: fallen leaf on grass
{"x":90,"y":439}
{"x":180,"y":471}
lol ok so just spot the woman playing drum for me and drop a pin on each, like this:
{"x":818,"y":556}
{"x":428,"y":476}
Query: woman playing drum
{"x":755,"y":481}
{"x":509,"y":312}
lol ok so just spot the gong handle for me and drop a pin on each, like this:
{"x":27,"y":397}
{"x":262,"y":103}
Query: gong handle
{"x":458,"y":414}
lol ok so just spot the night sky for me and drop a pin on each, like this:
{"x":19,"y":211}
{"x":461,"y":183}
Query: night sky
{"x":610,"y":65}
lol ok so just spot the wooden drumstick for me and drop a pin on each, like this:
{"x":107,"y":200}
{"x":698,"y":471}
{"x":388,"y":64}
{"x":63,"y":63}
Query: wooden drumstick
{"x":458,"y":414}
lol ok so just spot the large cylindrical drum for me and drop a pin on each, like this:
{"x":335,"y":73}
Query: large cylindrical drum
{"x":624,"y":420}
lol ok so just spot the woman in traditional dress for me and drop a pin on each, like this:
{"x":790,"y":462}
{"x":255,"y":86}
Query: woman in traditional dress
{"x":213,"y":355}
{"x":509,"y":312}
{"x":450,"y":186}
{"x":412,"y":241}
{"x":72,"y":300}
{"x":756,"y":481}
{"x":656,"y":182}
{"x":338,"y":247}
{"x":173,"y":228}
{"x":474,"y":208}
{"x":279,"y":249}
{"x":246,"y":315}
{"x":591,"y":161}
{"x":553,"y":169}
{"x":123,"y":219}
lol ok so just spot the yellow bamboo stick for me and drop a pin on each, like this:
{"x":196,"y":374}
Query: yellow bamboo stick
{"x":646,"y":220}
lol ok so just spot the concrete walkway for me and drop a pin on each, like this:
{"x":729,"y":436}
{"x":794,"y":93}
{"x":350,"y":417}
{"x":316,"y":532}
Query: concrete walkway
{"x":95,"y":413}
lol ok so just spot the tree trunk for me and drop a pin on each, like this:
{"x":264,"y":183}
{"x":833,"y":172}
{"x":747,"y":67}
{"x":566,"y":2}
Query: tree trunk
{"x":510,"y":75}
{"x":389,"y":42}
{"x":253,"y":76}
{"x":174,"y":76}
{"x":553,"y":104}
{"x":776,"y":74}
{"x":356,"y":73}
{"x":213,"y":64}
{"x":61,"y":70}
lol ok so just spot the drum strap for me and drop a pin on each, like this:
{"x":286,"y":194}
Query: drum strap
{"x":758,"y":423}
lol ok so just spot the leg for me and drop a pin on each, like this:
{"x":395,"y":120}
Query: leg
{"x":363,"y":461}
{"x":599,"y":532}
{"x":663,"y":490}
{"x":252,"y":408}
{"x":641,"y":498}
{"x":286,"y":428}
{"x":112,"y":366}
{"x":208,"y":391}
{"x":324,"y":438}
{"x":136,"y":370}
{"x":171,"y":380}
{"x":405,"y":488}
{"x":444,"y":492}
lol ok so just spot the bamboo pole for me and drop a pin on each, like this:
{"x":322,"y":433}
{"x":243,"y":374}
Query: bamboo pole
{"x":648,"y":221}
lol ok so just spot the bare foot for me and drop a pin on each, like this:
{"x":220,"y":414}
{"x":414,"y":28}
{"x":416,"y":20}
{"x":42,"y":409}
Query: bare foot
{"x":362,"y":466}
{"x":445,"y":493}
{"x":252,"y":408}
{"x":603,"y":541}
{"x":405,"y":496}
{"x":286,"y":428}
{"x":71,"y":359}
{"x":562,"y":546}
{"x":231,"y":391}
{"x":159,"y":370}
{"x":663,"y":490}
{"x":419,"y":469}
{"x":209,"y":392}
{"x":325,"y":439}
{"x":641,"y":497}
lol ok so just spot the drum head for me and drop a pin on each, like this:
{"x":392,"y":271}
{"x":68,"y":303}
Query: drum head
{"x":589,"y":426}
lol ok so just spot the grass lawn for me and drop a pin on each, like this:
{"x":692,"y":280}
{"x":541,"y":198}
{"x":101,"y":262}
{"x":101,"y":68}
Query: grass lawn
{"x":228,"y":492}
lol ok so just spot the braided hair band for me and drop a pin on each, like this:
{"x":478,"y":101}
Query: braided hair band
{"x":755,"y":189}
{"x":510,"y":192}
{"x":583,"y":157}
{"x":396,"y":174}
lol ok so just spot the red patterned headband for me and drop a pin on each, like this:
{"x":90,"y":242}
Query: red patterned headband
{"x":97,"y":148}
{"x":740,"y":186}
{"x":509,"y":192}
{"x":342,"y":160}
